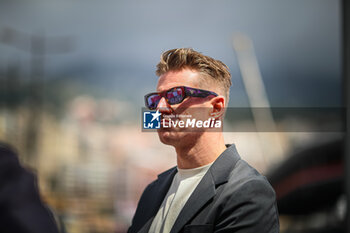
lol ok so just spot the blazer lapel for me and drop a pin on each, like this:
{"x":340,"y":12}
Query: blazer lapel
{"x":157,"y":194}
{"x":217,"y":174}
{"x":147,"y":226}
{"x":203,"y":193}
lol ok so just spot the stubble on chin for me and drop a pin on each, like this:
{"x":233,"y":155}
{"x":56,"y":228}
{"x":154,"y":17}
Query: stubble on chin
{"x":166,"y":136}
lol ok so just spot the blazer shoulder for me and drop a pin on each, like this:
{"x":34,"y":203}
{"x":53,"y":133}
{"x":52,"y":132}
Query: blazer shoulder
{"x":247,"y":202}
{"x":243,"y":175}
{"x":160,"y":176}
{"x":167,"y":172}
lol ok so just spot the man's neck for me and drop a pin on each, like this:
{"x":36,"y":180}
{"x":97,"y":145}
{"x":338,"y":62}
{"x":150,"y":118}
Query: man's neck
{"x":204,"y":151}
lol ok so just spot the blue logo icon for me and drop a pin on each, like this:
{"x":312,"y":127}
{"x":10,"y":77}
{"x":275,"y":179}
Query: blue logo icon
{"x":151,"y":120}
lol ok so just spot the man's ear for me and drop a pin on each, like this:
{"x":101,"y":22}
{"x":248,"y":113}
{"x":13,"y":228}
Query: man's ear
{"x":218,"y":107}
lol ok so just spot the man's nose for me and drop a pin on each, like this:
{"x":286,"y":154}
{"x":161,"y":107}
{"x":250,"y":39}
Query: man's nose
{"x":163,"y":106}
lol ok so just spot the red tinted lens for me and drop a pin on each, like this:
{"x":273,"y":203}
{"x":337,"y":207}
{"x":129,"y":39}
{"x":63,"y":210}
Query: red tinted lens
{"x":175,"y":96}
{"x":152,"y":101}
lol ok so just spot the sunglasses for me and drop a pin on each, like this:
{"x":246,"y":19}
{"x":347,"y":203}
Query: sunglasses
{"x":175,"y":95}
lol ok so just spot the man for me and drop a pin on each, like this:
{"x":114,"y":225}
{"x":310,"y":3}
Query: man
{"x":211,"y":189}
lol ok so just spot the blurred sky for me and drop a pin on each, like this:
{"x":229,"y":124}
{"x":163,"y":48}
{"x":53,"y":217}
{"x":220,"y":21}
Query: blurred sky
{"x":118,"y":43}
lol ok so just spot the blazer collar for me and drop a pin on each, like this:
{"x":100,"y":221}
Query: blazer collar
{"x":163,"y":184}
{"x":217,"y":174}
{"x":224,"y":164}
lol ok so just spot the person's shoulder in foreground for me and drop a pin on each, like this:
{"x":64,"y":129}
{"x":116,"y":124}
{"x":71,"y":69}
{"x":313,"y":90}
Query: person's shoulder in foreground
{"x":232,"y":197}
{"x":21,"y":207}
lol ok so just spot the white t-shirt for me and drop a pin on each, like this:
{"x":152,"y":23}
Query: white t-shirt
{"x":184,"y":183}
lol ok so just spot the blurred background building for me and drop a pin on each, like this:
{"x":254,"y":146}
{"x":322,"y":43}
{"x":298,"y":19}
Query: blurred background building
{"x":73,"y":75}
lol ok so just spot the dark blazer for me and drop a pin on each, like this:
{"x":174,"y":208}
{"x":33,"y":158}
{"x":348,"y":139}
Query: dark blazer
{"x":231,"y":197}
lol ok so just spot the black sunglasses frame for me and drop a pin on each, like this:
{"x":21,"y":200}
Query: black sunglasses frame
{"x":188,"y":91}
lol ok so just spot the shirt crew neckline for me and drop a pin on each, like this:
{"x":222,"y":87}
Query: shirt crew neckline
{"x":193,"y":172}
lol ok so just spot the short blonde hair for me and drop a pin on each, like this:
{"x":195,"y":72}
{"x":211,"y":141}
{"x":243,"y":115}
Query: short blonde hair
{"x":181,"y":58}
